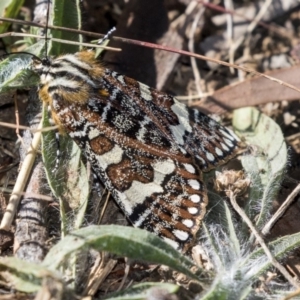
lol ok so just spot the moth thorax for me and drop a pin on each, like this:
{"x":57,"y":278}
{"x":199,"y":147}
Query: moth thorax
{"x":45,"y":77}
{"x":41,"y":65}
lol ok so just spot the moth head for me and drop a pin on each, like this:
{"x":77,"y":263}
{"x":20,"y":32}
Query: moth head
{"x":42,"y":67}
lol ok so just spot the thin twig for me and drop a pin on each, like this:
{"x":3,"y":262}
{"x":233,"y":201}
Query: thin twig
{"x":99,"y":272}
{"x":126,"y":272}
{"x":191,"y":47}
{"x":28,"y":194}
{"x":281,"y":210}
{"x":178,"y":51}
{"x":10,"y":125}
{"x":213,"y":60}
{"x":260,"y":240}
{"x":229,"y":20}
{"x":251,"y":27}
{"x":17,"y":120}
{"x":292,"y":295}
{"x":104,"y":208}
{"x":21,"y":182}
{"x":66,"y":29}
{"x":292,"y":137}
{"x":191,"y":97}
{"x":281,"y":31}
{"x":59,"y":40}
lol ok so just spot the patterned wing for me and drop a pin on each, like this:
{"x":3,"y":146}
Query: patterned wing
{"x":139,"y":142}
{"x":210,"y":143}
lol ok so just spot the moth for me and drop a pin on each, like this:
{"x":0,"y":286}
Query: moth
{"x":147,"y":148}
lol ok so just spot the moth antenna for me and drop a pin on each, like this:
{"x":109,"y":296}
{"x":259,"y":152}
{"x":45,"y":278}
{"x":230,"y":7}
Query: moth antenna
{"x":107,"y":36}
{"x":46,"y":28}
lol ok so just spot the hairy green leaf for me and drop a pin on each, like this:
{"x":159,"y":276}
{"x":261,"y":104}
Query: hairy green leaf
{"x":9,"y":9}
{"x":25,"y":276}
{"x":145,"y":290}
{"x":267,"y":161}
{"x":131,"y":242}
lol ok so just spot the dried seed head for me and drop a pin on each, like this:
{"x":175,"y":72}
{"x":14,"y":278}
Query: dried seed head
{"x":231,"y":181}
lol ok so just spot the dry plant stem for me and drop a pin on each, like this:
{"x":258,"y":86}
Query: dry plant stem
{"x":290,"y":269}
{"x":33,"y":130}
{"x":27,"y":194}
{"x":98,"y":274}
{"x":21,"y":182}
{"x":281,"y":210}
{"x":35,"y":24}
{"x":126,"y":272}
{"x":17,"y":120}
{"x":192,"y":49}
{"x":192,"y":97}
{"x":292,"y":137}
{"x":229,"y":5}
{"x":276,"y":29}
{"x":104,"y":208}
{"x":6,"y":151}
{"x":217,"y":61}
{"x":179,"y":21}
{"x":58,"y":40}
{"x":260,"y":15}
{"x":292,"y":295}
{"x":251,"y":27}
{"x":165,"y":48}
{"x":4,"y":170}
{"x":10,"y":125}
{"x":260,"y":240}
{"x":273,"y":28}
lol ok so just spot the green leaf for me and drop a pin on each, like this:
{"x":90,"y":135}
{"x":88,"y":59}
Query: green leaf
{"x":9,"y":9}
{"x":224,"y":239}
{"x":144,"y":291}
{"x":280,"y":248}
{"x":125,"y":241}
{"x":65,"y":13}
{"x":77,"y":185}
{"x":267,"y":162}
{"x":13,"y":71}
{"x":25,"y":276}
{"x":219,"y":215}
{"x":69,"y":183}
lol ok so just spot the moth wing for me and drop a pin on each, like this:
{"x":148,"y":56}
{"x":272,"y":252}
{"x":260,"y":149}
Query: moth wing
{"x":210,"y":143}
{"x":155,"y":182}
{"x":158,"y":189}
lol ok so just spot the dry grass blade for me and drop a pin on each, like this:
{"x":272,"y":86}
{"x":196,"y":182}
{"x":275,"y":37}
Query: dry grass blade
{"x":260,"y":240}
{"x":21,"y":182}
{"x":9,"y":125}
{"x":281,"y":210}
{"x":59,"y":40}
{"x":101,"y":269}
{"x":292,"y":295}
